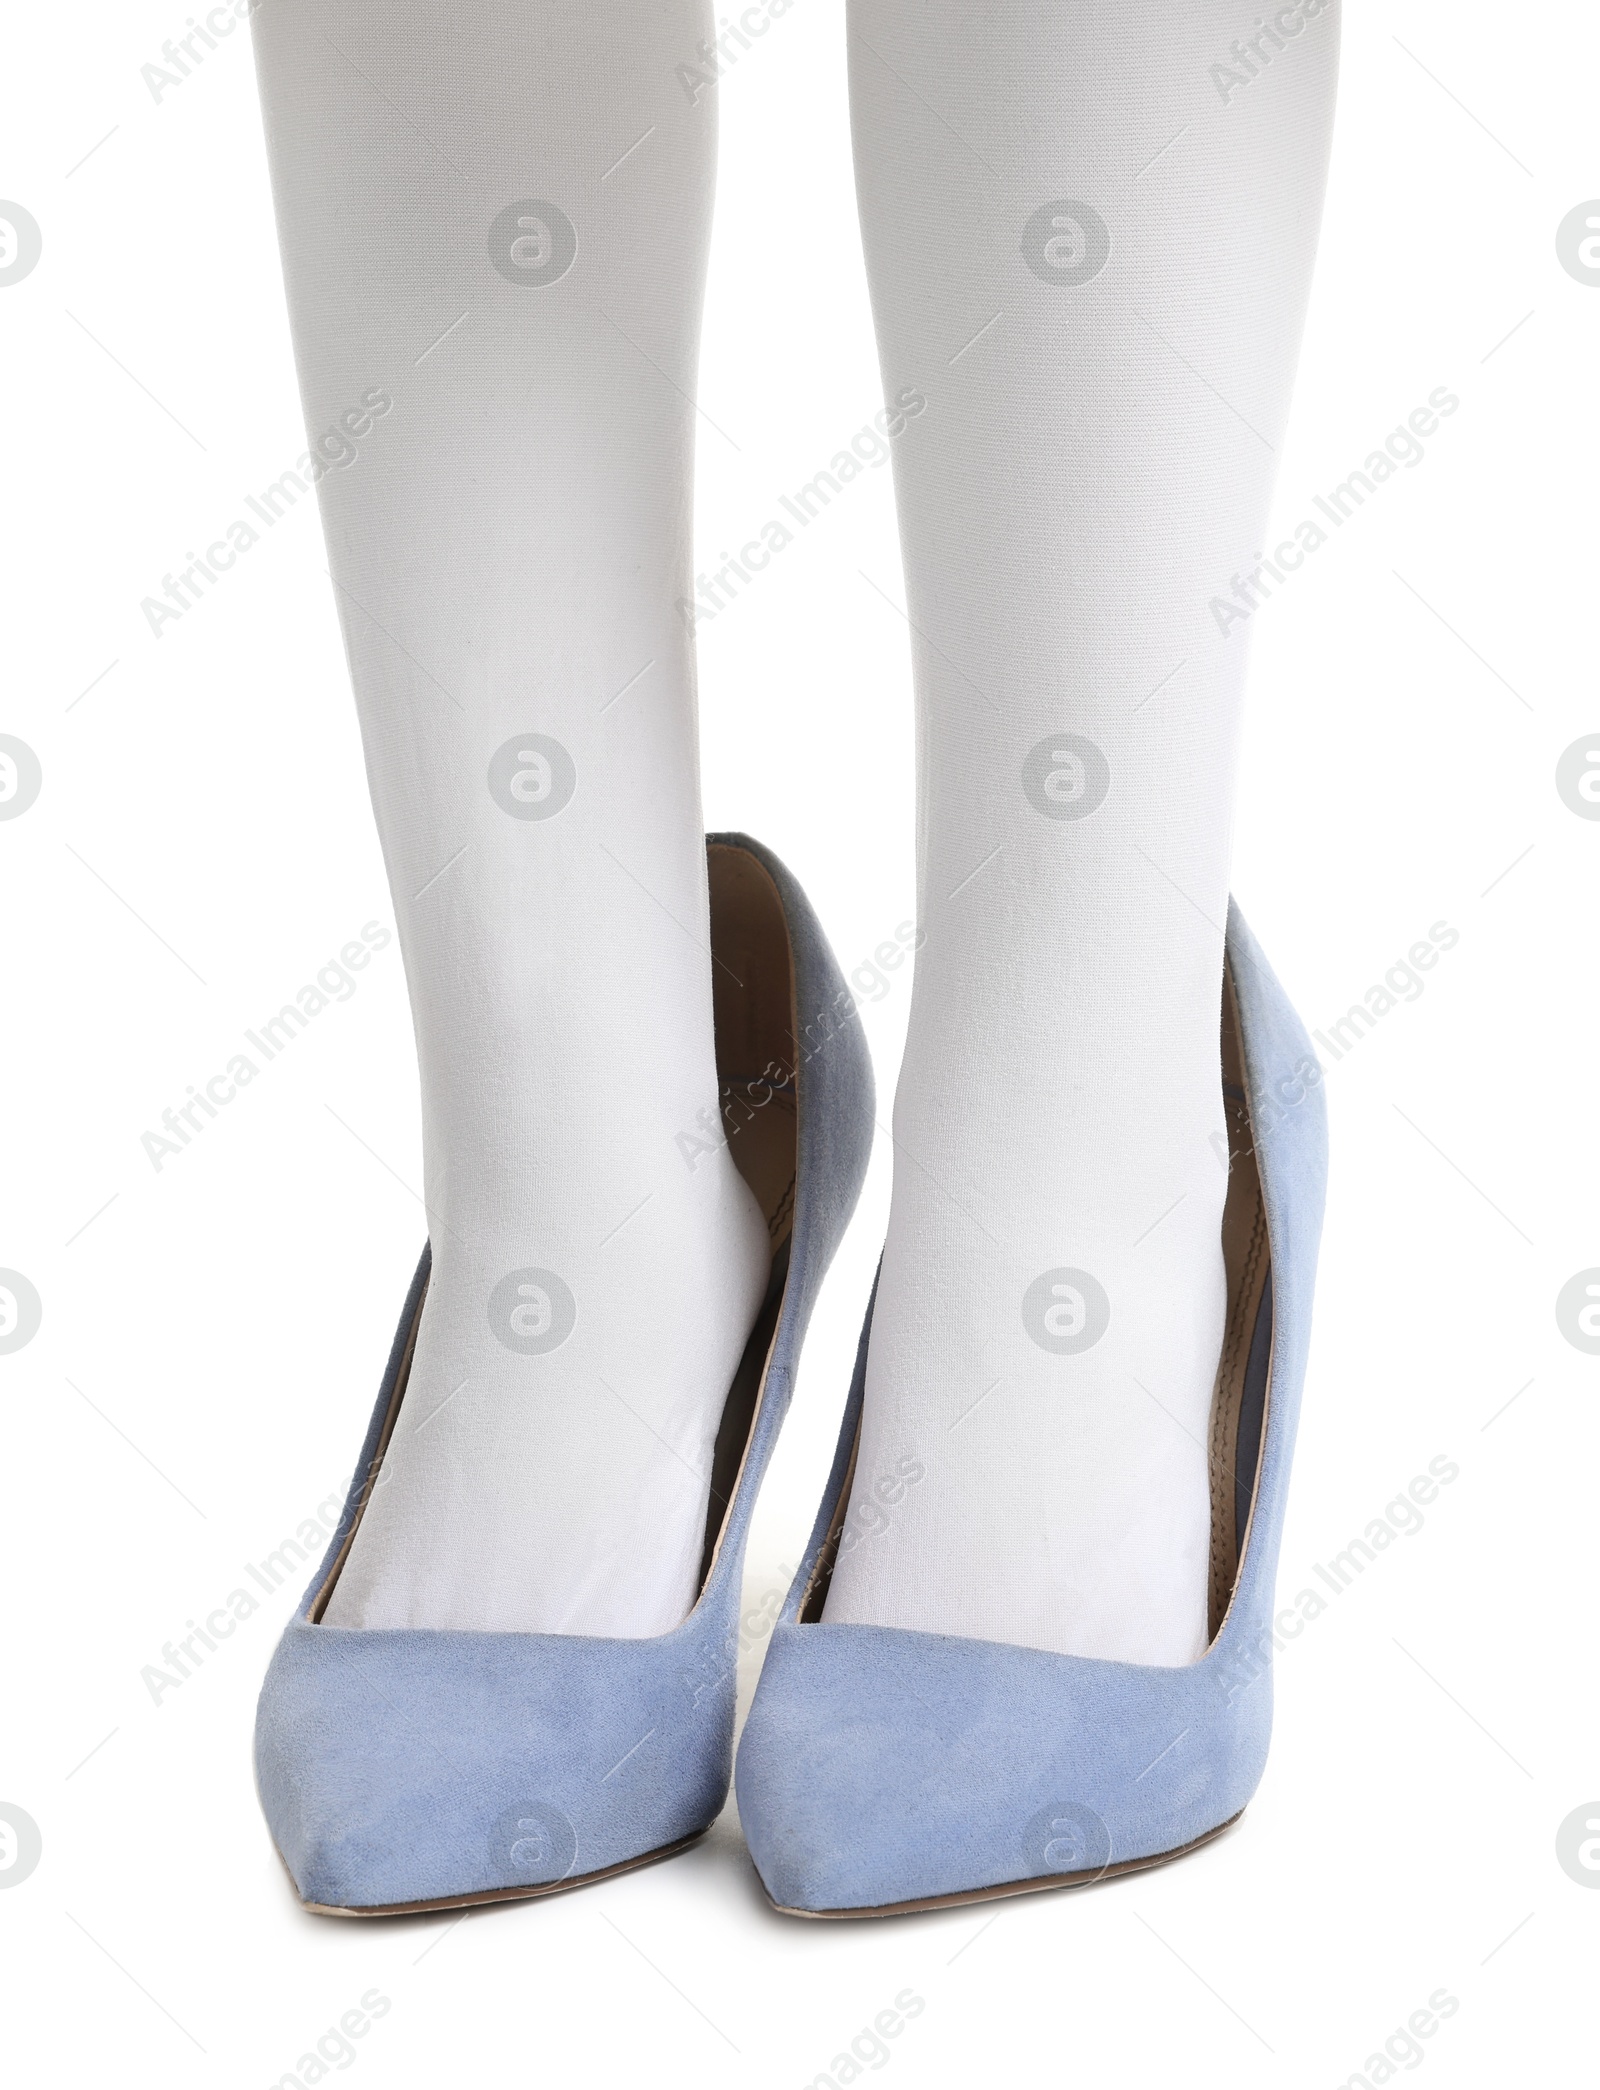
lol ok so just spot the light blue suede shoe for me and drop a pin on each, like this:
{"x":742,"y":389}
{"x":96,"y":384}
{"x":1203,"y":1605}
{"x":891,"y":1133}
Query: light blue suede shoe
{"x":406,"y":1770}
{"x":882,"y":1771}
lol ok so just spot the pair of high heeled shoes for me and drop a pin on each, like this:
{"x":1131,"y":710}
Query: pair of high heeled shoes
{"x":880,"y":1770}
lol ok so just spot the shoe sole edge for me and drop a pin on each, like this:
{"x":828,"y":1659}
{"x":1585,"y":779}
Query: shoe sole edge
{"x":487,"y":1897}
{"x":1005,"y":1889}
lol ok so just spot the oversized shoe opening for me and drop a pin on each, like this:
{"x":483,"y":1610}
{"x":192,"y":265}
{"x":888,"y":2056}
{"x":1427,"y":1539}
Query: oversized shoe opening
{"x":758,"y":1074}
{"x":1238,"y":1402}
{"x":1238,"y":1406}
{"x":753,"y":1001}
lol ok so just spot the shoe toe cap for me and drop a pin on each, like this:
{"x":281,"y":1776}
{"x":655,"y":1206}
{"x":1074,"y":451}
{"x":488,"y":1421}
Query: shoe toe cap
{"x":880,"y":1767}
{"x":405,"y":1767}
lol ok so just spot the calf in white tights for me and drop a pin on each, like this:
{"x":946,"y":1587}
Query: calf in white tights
{"x":500,"y":213}
{"x":1096,"y":268}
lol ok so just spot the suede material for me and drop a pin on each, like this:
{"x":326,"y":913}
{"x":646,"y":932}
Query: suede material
{"x":880,"y":1766}
{"x":408,"y":1766}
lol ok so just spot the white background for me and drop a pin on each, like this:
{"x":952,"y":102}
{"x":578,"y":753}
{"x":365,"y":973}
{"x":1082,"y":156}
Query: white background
{"x":212,"y":1337}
